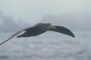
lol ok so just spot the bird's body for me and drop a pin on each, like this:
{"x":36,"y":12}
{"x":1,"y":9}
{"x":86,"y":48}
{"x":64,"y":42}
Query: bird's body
{"x":33,"y":32}
{"x":39,"y":29}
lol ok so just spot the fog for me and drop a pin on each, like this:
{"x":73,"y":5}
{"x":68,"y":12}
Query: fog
{"x":75,"y":21}
{"x":18,"y":14}
{"x":80,"y":21}
{"x":8,"y":24}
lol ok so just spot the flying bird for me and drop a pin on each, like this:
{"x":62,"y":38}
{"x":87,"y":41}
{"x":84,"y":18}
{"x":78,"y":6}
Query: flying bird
{"x":39,"y":29}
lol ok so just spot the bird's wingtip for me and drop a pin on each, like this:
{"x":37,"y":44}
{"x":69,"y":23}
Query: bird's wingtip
{"x":72,"y":35}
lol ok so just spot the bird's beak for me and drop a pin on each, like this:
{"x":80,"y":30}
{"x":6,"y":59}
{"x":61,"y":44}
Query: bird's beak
{"x":53,"y":27}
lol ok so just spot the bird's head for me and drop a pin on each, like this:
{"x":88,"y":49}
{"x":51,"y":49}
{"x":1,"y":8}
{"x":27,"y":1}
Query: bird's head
{"x":50,"y":26}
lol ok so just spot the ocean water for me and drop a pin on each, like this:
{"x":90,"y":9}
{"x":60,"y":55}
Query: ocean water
{"x":47,"y":46}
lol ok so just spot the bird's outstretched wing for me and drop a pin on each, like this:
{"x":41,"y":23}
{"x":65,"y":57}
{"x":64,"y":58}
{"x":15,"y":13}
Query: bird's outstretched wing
{"x":15,"y":35}
{"x":26,"y":29}
{"x":63,"y":30}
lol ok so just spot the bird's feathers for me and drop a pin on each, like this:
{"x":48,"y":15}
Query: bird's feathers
{"x":63,"y":30}
{"x":29,"y":29}
{"x":13,"y":35}
{"x":39,"y":29}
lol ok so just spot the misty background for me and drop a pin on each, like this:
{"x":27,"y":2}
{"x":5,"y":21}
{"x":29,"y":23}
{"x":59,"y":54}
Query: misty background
{"x":72,"y":14}
{"x":18,"y":14}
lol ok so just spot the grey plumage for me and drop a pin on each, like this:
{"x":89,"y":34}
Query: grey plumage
{"x":39,"y":29}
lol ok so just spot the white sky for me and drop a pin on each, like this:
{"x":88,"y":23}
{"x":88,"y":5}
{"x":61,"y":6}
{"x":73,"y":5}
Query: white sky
{"x":33,"y":10}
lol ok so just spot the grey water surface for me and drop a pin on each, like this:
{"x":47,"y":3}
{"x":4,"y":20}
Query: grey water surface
{"x":47,"y":46}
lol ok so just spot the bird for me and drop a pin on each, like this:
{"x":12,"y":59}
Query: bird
{"x":39,"y":29}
